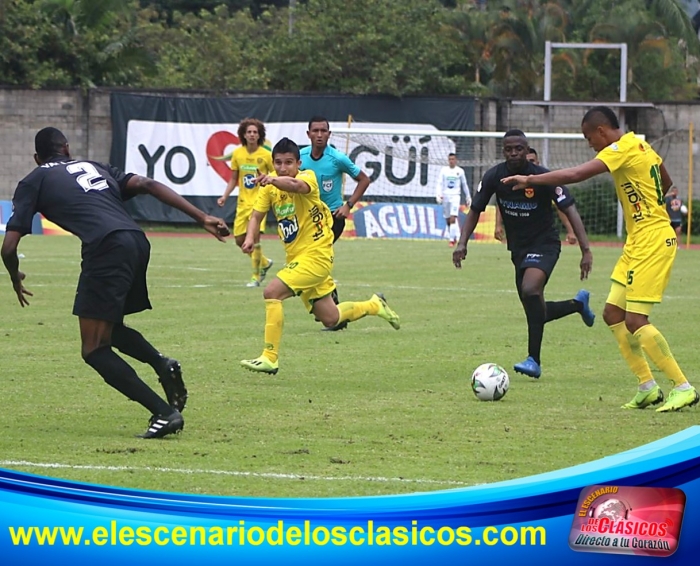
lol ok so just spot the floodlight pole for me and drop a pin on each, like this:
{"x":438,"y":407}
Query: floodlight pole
{"x":548,"y":46}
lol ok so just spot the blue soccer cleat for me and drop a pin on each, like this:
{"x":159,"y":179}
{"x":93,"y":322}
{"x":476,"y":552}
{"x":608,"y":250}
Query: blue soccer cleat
{"x":586,"y":313}
{"x":529,"y":367}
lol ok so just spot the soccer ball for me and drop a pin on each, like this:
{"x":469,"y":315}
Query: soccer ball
{"x":490,"y":382}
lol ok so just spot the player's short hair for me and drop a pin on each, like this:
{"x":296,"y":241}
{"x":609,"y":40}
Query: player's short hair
{"x":285,"y":145}
{"x":243,"y":126}
{"x":49,"y":142}
{"x":601,"y":115}
{"x":451,"y":155}
{"x":531,"y":150}
{"x":514,"y":133}
{"x":319,"y":119}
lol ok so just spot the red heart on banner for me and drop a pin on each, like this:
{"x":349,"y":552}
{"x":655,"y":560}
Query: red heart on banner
{"x":216,"y":146}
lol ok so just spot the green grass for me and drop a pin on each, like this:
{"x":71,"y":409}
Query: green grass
{"x":346,"y":407}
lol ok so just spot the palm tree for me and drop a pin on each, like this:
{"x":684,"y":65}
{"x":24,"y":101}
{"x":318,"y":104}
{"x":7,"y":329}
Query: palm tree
{"x":121,"y":53}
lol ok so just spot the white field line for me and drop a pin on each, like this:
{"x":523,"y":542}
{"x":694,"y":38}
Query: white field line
{"x":383,"y":287}
{"x":471,"y":289}
{"x":196,"y":471}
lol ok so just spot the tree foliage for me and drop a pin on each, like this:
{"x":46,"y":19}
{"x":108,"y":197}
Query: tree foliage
{"x":362,"y":47}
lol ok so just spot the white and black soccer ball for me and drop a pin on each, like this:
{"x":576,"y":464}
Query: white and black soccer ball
{"x":490,"y":382}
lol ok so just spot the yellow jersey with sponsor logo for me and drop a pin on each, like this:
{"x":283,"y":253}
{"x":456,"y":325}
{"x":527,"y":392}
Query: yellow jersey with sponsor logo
{"x":249,"y":166}
{"x":634,"y":166}
{"x":304,"y":222}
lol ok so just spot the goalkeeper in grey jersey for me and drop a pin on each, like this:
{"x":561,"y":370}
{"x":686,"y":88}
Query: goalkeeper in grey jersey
{"x":450,"y":183}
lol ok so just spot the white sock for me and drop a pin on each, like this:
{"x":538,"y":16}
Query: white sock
{"x":454,"y":231}
{"x":647,"y":385}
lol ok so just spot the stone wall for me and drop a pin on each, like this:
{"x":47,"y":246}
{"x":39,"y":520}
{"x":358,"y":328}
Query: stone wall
{"x":83,"y":117}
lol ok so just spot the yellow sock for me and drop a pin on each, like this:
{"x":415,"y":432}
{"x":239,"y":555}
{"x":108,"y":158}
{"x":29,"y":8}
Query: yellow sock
{"x":274,"y":321}
{"x":631,"y":351}
{"x":255,"y":259}
{"x":351,"y":311}
{"x":655,"y":346}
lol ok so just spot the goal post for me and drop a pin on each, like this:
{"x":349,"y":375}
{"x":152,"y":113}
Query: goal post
{"x":404,"y":163}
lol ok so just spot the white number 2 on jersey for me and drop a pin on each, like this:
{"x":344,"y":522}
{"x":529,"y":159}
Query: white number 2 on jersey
{"x":90,"y":180}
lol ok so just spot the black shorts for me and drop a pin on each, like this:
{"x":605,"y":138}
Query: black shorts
{"x":112,"y":280}
{"x":338,"y":227}
{"x":543,"y":258}
{"x":676,"y":223}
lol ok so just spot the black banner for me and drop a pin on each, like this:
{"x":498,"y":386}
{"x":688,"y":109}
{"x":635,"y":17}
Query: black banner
{"x":184,"y":141}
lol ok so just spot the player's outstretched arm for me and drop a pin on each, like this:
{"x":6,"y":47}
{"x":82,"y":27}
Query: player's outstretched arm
{"x":11,"y":261}
{"x":286,"y":184}
{"x":560,"y":177}
{"x":460,"y":252}
{"x":143,"y":185}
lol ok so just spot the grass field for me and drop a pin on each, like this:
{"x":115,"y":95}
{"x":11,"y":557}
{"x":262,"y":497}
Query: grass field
{"x":361,"y":412}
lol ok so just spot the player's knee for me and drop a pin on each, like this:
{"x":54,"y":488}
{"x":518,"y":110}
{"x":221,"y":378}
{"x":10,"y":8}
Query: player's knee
{"x":634,"y":322}
{"x":329,"y":320}
{"x":529,"y":291}
{"x":613,"y":314}
{"x":270,"y":293}
{"x":87,"y":349}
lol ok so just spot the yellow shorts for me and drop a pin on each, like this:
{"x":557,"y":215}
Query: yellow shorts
{"x":645,"y":267}
{"x":309,"y":276}
{"x":240,"y":223}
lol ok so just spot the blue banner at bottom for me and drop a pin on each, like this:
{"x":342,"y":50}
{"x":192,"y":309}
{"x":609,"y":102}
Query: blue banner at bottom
{"x":551,"y":518}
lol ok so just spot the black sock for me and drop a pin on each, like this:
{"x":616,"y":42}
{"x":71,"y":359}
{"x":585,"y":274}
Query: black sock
{"x":535,"y":313}
{"x":559,"y":309}
{"x":130,"y":342}
{"x":120,"y":375}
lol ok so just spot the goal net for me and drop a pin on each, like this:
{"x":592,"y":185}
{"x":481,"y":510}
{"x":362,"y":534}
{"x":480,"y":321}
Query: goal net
{"x":404,"y":164}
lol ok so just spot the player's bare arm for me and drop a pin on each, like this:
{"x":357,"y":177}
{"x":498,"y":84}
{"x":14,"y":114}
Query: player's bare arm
{"x":286,"y":184}
{"x":560,"y":177}
{"x":363,"y":182}
{"x":666,"y":181}
{"x":460,"y":252}
{"x":499,"y":232}
{"x":11,"y":261}
{"x":144,"y":185}
{"x":233,"y":181}
{"x":570,"y":235}
{"x":579,"y":230}
{"x":252,"y":231}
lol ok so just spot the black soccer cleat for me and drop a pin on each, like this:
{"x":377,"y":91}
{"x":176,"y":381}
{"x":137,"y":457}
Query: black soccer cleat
{"x":160,"y":426}
{"x":342,"y":326}
{"x":170,"y":377}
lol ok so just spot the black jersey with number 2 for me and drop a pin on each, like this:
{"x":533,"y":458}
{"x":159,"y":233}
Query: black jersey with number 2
{"x":527,"y":213}
{"x":85,"y":198}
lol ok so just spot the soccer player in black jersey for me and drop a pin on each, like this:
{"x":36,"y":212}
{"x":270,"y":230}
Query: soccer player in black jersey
{"x":533,"y":242}
{"x":86,"y":199}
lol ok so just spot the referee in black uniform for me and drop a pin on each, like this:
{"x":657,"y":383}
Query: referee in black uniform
{"x":86,"y":198}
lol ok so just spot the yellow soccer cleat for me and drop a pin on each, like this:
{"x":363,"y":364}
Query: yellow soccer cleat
{"x":264,"y":270}
{"x":385,"y":311}
{"x":645,"y":398}
{"x":679,"y":399}
{"x":261,"y":365}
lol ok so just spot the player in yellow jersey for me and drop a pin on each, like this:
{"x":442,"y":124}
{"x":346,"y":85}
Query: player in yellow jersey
{"x":642,"y":273}
{"x":249,"y":161}
{"x":305,"y":227}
